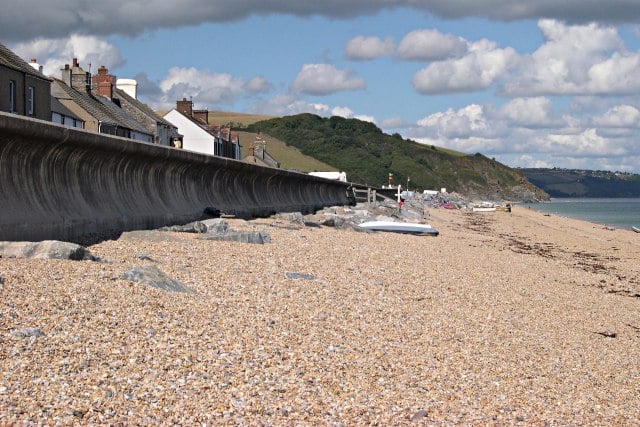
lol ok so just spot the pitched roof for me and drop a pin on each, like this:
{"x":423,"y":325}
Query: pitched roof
{"x":97,"y":106}
{"x":11,"y":60}
{"x":144,"y":108}
{"x":58,"y":107}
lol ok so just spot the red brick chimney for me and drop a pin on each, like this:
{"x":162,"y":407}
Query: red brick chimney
{"x":104,"y":82}
{"x":201,"y":115}
{"x":185,"y":107}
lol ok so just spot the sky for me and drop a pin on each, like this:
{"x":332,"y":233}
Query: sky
{"x":542,"y":83}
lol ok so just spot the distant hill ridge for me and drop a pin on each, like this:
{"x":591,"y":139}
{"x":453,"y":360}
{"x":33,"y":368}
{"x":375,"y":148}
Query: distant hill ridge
{"x":368,"y":156}
{"x":584,"y":183}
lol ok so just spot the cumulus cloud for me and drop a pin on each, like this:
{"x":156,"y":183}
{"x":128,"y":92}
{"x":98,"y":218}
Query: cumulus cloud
{"x":205,"y":87}
{"x":577,"y":59}
{"x":476,"y":70}
{"x":466,"y":122}
{"x":430,"y":45}
{"x":290,"y":104}
{"x":619,"y":116}
{"x":325,"y":79}
{"x":544,"y":140}
{"x":287,"y":105}
{"x":362,"y":48}
{"x":615,"y":75}
{"x":588,"y":143}
{"x":55,"y":18}
{"x":528,"y":112}
{"x":345,"y":112}
{"x":365,"y":118}
{"x":53,"y":54}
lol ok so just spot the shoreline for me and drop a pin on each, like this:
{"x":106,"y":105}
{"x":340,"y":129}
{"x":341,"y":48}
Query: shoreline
{"x":616,"y":222}
{"x":503,"y":318}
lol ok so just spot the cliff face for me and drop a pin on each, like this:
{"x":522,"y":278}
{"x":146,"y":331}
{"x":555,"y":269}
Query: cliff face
{"x":369,"y":156}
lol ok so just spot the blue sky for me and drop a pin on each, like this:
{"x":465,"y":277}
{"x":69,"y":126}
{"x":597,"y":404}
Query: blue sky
{"x":533,"y":84}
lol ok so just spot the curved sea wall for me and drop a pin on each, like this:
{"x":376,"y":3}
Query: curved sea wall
{"x":67,"y":184}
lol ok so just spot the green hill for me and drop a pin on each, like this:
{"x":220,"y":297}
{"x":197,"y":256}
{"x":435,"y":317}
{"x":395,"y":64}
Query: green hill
{"x":584,"y":183}
{"x":368,"y":156}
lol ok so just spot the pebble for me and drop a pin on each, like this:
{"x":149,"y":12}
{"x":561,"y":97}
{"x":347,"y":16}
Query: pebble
{"x":505,"y":318}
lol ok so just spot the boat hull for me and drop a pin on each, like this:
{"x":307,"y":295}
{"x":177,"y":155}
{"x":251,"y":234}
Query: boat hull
{"x":400,"y":227}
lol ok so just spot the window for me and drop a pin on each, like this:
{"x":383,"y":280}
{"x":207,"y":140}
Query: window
{"x":30,"y":100}
{"x":12,"y":96}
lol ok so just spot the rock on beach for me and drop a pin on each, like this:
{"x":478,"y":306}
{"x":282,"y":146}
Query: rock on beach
{"x":47,"y":249}
{"x":503,"y":319}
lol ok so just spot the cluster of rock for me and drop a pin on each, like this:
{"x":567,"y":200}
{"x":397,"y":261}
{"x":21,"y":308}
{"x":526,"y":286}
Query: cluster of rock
{"x":412,"y":210}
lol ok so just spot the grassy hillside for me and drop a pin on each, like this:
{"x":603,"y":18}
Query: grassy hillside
{"x":368,"y":156}
{"x":584,"y":183}
{"x":236,"y":120}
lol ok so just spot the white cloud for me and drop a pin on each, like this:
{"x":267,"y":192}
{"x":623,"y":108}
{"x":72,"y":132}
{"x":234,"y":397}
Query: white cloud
{"x":361,"y":47}
{"x":579,"y":59}
{"x":527,"y":161}
{"x":325,"y":79}
{"x":587,"y":143}
{"x":53,"y":54}
{"x":528,"y":111}
{"x":287,"y":105}
{"x":204,"y":86}
{"x":345,"y":112}
{"x":477,"y":70}
{"x":615,"y":75}
{"x":464,"y":123}
{"x":365,"y":118}
{"x":430,"y":45}
{"x":619,"y":116}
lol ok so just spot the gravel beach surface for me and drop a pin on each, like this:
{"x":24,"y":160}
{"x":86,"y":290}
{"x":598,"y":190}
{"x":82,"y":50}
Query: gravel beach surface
{"x":504,"y":318}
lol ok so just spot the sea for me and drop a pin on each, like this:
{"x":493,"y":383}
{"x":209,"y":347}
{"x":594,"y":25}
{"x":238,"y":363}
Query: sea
{"x":612,"y":212}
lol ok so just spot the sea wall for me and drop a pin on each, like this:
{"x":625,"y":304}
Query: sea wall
{"x":68,"y":184}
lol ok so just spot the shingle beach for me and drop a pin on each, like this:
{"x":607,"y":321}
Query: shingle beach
{"x":503,"y":319}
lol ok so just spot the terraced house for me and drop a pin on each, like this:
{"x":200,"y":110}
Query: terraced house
{"x":24,"y":90}
{"x":96,"y":107}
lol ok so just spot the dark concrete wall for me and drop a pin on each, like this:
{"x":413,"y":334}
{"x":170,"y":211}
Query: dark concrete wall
{"x":69,"y":184}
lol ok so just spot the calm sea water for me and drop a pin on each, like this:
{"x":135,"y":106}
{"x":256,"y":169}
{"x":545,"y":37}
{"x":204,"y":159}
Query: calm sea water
{"x":620,"y":213}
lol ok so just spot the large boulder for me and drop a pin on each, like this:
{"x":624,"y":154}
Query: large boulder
{"x":257,"y":237}
{"x":213,"y":225}
{"x":47,"y":249}
{"x":152,"y":276}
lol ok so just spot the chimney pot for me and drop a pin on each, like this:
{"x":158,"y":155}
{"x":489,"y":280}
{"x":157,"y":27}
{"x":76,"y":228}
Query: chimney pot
{"x":75,"y":62}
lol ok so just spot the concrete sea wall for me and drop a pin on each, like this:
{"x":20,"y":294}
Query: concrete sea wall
{"x":69,"y":184}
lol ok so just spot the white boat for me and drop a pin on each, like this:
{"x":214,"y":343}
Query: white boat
{"x":400,"y":227}
{"x":484,"y":207}
{"x":636,"y":229}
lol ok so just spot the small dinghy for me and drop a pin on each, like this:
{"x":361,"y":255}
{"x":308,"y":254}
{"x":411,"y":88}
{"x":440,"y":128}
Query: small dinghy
{"x":636,"y":229}
{"x":400,"y":227}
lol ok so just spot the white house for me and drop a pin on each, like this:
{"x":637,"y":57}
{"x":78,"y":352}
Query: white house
{"x":199,"y":135}
{"x":195,"y":137}
{"x":339,"y":176}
